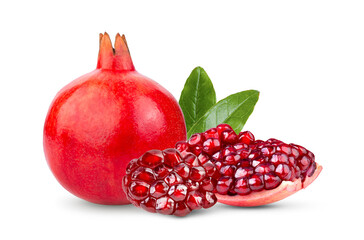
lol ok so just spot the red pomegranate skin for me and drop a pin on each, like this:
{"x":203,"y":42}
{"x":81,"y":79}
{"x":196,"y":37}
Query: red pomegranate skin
{"x":102,"y":120}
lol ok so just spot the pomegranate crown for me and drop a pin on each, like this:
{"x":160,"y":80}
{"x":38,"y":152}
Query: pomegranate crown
{"x":115,"y":58}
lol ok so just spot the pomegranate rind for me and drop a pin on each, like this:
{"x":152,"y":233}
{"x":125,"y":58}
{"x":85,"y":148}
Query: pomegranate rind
{"x":286,"y":189}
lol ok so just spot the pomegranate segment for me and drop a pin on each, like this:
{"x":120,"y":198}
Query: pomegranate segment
{"x":185,"y":185}
{"x":252,"y":172}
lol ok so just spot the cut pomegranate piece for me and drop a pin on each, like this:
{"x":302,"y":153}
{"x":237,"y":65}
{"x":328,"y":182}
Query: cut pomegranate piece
{"x":167,"y":183}
{"x":253,"y":172}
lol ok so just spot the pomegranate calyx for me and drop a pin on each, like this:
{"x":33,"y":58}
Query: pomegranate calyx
{"x":115,"y":58}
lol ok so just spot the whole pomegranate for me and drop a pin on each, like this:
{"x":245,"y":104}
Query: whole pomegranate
{"x":102,"y":120}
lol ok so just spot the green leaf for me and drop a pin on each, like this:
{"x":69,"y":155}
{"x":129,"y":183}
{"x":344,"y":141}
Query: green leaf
{"x":198,"y":96}
{"x":233,"y":110}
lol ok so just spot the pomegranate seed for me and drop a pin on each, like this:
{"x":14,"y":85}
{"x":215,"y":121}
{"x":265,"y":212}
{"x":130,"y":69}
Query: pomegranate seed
{"x":158,"y":189}
{"x":257,"y":161}
{"x":149,"y":204}
{"x":264,"y":168}
{"x":304,"y":163}
{"x":208,"y":184}
{"x":311,"y":155}
{"x":271,"y":181}
{"x":278,"y":158}
{"x":256,"y":182}
{"x":224,"y":184}
{"x":311,"y":169}
{"x":203,"y":158}
{"x":171,"y":157}
{"x":143,"y":174}
{"x":285,"y":148}
{"x":246,"y":137}
{"x":300,"y":149}
{"x":242,"y":186}
{"x":240,"y":146}
{"x":192,"y":186}
{"x":228,"y":150}
{"x":227,"y":170}
{"x":164,"y":205}
{"x":211,"y":145}
{"x":229,"y":137}
{"x":297,"y":172}
{"x":197,"y":174}
{"x":161,"y":171}
{"x":273,"y":140}
{"x":222,"y":127}
{"x":139,"y":190}
{"x":267,"y":151}
{"x":182,"y":146}
{"x":284,"y":171}
{"x":183,"y":170}
{"x":218,"y":165}
{"x":292,"y":161}
{"x":196,"y":139}
{"x":243,"y":153}
{"x":211,"y":133}
{"x":197,"y":150}
{"x":126,"y":180}
{"x":151,"y":158}
{"x":210,"y":168}
{"x":133,"y":164}
{"x":191,"y":160}
{"x":182,"y":209}
{"x":295,"y":152}
{"x":217,"y":156}
{"x":254,"y":154}
{"x":194,"y":200}
{"x":244,"y":163}
{"x":209,"y":200}
{"x":232,"y":158}
{"x":173,"y":178}
{"x":178,"y":192}
{"x":244,"y":172}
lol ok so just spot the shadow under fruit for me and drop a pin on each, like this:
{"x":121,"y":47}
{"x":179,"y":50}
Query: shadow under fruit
{"x":100,"y":121}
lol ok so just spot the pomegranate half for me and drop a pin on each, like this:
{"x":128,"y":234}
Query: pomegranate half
{"x":102,"y":120}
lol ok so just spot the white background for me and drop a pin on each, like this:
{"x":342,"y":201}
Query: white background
{"x":305,"y":57}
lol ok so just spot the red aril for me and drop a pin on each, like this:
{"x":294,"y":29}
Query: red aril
{"x":101,"y":120}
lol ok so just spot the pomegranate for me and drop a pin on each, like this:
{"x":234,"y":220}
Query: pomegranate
{"x":101,"y":120}
{"x":166,"y":183}
{"x":252,"y":172}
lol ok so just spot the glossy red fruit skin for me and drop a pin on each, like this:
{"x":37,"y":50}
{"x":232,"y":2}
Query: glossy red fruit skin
{"x":100,"y":121}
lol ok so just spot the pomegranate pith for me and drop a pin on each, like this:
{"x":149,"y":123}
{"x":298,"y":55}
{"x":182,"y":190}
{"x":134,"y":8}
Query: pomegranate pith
{"x":252,"y":172}
{"x":100,"y":121}
{"x":185,"y":185}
